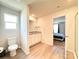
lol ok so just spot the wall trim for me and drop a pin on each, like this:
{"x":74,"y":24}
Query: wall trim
{"x":47,"y":43}
{"x":25,"y":51}
{"x":75,"y":56}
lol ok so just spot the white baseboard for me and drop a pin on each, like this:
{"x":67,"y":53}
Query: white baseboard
{"x":47,"y":43}
{"x":25,"y":51}
{"x":75,"y":56}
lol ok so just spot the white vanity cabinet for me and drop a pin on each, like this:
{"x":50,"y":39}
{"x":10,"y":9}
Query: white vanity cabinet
{"x":34,"y":38}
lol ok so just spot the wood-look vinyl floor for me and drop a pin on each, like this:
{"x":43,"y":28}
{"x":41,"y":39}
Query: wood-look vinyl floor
{"x":70,"y":55}
{"x":40,"y":51}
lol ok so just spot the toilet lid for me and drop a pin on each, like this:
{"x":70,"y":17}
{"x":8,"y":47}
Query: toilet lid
{"x":13,"y":47}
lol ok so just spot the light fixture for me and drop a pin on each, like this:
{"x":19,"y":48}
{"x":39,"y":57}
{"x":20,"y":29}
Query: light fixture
{"x":31,"y":18}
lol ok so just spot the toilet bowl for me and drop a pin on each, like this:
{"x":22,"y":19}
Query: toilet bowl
{"x":12,"y":49}
{"x":12,"y":46}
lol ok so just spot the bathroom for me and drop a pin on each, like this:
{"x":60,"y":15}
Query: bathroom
{"x":9,"y":31}
{"x":10,"y":38}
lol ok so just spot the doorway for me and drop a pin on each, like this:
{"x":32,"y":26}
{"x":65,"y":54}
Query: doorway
{"x":59,"y":34}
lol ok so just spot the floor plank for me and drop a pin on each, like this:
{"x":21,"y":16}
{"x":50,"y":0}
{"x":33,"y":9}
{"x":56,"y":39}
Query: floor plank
{"x":40,"y":51}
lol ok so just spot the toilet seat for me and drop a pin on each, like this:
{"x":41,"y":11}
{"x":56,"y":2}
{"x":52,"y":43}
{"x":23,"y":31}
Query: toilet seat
{"x":12,"y":47}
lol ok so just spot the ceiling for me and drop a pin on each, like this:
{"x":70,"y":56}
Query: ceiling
{"x":16,"y":4}
{"x":43,"y":7}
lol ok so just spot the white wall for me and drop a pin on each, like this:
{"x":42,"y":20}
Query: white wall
{"x":45,"y":24}
{"x":24,"y":30}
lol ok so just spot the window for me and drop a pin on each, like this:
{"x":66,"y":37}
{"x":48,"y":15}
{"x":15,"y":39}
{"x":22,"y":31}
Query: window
{"x":55,"y":28}
{"x":10,"y":21}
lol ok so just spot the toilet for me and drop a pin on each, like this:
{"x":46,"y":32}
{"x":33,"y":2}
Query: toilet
{"x":12,"y":46}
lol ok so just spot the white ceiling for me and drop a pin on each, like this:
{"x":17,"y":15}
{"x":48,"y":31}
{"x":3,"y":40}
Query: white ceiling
{"x":16,"y":4}
{"x":44,"y":7}
{"x":41,"y":7}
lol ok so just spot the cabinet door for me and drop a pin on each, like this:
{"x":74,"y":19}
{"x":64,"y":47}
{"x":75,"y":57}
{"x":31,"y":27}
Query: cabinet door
{"x":33,"y":39}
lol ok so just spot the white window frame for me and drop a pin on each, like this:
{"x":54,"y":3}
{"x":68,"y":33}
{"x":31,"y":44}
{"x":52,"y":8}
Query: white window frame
{"x":55,"y":28}
{"x":10,"y":22}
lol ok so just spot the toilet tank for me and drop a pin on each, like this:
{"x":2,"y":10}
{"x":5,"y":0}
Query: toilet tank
{"x":12,"y":41}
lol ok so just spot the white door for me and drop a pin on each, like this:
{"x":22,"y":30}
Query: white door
{"x":76,"y":35}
